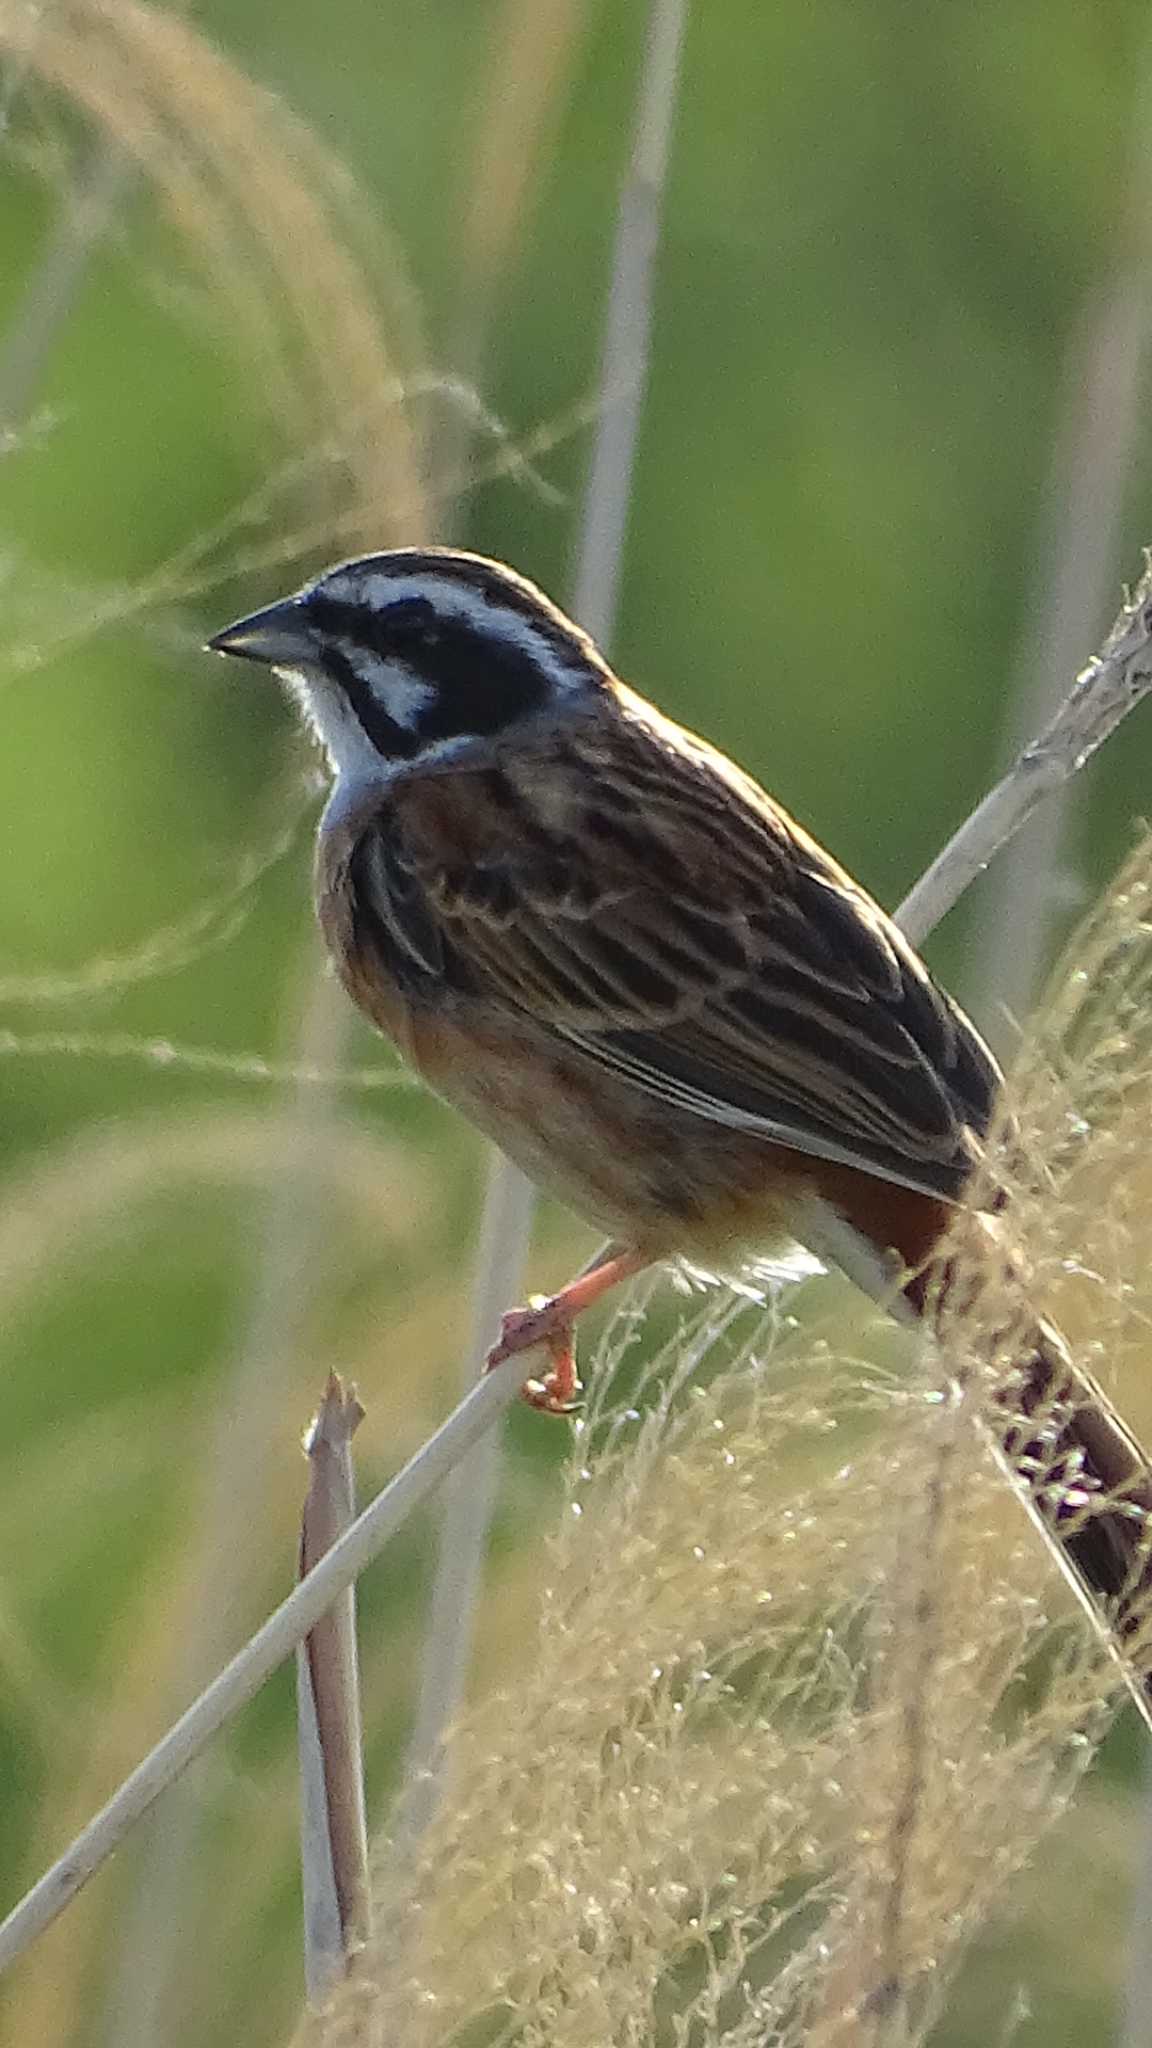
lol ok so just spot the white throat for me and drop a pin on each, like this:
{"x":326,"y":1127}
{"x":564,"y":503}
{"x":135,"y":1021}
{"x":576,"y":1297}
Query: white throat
{"x":400,"y":693}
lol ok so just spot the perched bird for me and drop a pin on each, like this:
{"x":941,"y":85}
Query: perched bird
{"x":601,"y":940}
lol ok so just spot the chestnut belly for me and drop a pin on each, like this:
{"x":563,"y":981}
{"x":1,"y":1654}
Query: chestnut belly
{"x":643,"y":1170}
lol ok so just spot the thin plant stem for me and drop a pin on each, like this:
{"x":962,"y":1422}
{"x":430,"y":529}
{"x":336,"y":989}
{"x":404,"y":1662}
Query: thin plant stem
{"x":622,"y":386}
{"x":1114,"y":682}
{"x":333,"y":1814}
{"x":1105,"y":379}
{"x":625,"y":353}
{"x":533,"y":54}
{"x":502,"y":1251}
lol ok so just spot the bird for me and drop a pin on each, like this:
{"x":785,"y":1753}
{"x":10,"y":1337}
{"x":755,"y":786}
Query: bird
{"x":600,"y":939}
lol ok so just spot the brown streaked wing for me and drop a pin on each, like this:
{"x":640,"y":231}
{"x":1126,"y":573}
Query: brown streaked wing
{"x":641,"y":899}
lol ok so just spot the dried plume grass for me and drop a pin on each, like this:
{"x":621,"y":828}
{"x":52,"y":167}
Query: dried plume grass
{"x":300,"y":278}
{"x":285,"y":259}
{"x":270,"y":246}
{"x":242,"y":218}
{"x":807,"y":1687}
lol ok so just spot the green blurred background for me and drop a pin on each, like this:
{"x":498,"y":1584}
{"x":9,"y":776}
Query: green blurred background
{"x":895,"y":428}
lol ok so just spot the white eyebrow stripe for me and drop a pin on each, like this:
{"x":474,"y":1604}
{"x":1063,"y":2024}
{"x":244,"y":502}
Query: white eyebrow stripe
{"x":449,"y":600}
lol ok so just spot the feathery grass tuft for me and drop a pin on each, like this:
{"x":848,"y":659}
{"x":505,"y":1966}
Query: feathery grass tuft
{"x":807,"y":1688}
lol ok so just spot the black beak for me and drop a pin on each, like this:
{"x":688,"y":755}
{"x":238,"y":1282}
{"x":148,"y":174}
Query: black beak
{"x":281,"y":636}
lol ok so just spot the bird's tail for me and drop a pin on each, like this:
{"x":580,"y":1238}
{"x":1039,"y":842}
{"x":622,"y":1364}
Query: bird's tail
{"x":1080,"y":1471}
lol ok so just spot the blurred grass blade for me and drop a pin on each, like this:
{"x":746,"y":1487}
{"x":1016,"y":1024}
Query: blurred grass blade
{"x":1095,"y":449}
{"x":51,"y":293}
{"x":510,"y":1201}
{"x":533,"y":54}
{"x":624,"y":357}
{"x":502,"y":1250}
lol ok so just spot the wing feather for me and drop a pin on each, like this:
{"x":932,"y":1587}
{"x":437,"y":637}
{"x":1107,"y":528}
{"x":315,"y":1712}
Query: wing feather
{"x":643,"y":901}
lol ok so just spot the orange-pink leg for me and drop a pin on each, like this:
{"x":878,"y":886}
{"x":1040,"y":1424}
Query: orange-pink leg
{"x":548,"y":1320}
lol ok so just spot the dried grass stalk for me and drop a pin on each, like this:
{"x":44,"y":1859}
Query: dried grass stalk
{"x":510,"y":1201}
{"x":334,"y":1852}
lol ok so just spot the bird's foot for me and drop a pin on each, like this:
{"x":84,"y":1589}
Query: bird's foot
{"x":549,"y":1320}
{"x":545,"y":1321}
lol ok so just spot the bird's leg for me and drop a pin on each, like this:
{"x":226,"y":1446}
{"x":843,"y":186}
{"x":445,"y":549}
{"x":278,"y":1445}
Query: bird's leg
{"x":548,"y":1320}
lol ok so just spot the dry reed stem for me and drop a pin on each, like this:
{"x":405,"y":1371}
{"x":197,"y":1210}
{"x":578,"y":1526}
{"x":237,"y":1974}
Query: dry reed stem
{"x":289,"y":1229}
{"x":260,"y":1656}
{"x":1113,"y":683}
{"x":1095,"y":447}
{"x":334,"y":1830}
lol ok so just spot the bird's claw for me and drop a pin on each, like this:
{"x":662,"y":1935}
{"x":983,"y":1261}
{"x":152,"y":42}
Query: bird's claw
{"x":558,"y":1393}
{"x":544,"y":1322}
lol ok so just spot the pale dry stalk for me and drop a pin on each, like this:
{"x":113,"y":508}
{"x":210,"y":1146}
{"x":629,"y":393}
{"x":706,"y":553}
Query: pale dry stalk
{"x":334,"y":1829}
{"x":510,"y":1200}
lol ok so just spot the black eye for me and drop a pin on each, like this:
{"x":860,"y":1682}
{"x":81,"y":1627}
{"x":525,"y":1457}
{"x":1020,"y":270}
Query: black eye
{"x":412,"y":621}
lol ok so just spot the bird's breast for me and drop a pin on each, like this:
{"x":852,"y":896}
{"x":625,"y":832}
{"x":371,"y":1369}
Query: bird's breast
{"x":653,"y":1175}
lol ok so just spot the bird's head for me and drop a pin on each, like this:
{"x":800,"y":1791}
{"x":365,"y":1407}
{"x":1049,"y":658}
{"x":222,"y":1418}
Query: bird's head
{"x":403,"y":656}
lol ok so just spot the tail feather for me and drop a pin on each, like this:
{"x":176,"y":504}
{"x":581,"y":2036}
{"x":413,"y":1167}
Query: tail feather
{"x":1079,"y":1470}
{"x":1065,"y":1440}
{"x":1077,"y":1467}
